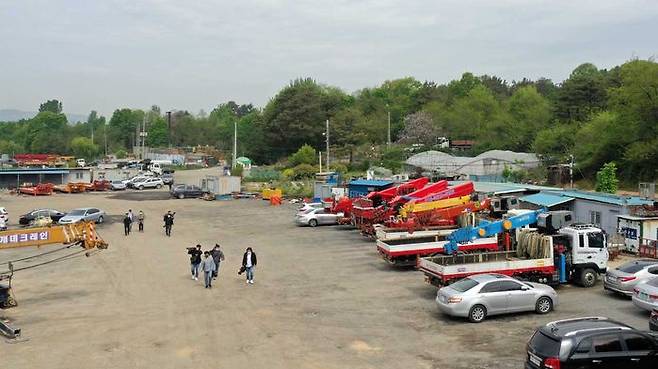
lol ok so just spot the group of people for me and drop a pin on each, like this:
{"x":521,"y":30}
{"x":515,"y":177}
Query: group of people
{"x":129,"y":219}
{"x":209,"y":261}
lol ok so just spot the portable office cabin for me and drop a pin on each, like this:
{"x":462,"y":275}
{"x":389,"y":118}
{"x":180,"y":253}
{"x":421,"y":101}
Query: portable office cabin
{"x":361,"y":187}
{"x":635,"y":229}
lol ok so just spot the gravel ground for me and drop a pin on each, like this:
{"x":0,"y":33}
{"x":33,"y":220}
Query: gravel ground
{"x":322,"y":298}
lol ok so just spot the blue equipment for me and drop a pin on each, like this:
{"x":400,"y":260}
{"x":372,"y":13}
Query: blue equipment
{"x":488,"y":229}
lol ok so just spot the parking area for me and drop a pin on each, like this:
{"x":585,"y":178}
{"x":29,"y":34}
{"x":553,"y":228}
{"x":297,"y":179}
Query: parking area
{"x":323,"y":298}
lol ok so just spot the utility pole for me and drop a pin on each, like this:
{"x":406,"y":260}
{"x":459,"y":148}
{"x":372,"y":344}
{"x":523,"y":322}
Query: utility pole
{"x":235,"y":144}
{"x":571,"y":171}
{"x":169,"y":127}
{"x":105,"y":136}
{"x":327,"y":145}
{"x":320,"y":161}
{"x":388,"y":140}
{"x":92,"y":131}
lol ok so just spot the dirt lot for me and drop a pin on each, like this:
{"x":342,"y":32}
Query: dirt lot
{"x":322,"y":299}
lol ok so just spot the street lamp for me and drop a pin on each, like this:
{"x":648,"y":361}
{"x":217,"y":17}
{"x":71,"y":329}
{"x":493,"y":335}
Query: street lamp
{"x":388,"y":110}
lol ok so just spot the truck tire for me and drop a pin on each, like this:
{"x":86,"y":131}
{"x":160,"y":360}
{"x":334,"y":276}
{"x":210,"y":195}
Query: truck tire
{"x":544,"y":305}
{"x":313,"y":223}
{"x":587,"y":277}
{"x":477,"y":313}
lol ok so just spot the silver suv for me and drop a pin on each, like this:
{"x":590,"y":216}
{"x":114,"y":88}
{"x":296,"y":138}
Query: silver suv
{"x":481,"y":295}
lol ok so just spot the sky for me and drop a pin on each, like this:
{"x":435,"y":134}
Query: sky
{"x":193,"y":55}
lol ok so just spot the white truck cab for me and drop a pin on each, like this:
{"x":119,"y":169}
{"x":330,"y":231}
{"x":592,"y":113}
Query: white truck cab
{"x":589,"y":248}
{"x":81,"y":162}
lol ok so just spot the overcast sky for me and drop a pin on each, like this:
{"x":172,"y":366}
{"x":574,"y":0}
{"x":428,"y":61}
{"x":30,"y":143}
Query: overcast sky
{"x":193,"y":55}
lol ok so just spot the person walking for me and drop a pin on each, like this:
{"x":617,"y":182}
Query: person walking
{"x":132,"y":218}
{"x":218,"y":257}
{"x":249,"y":262}
{"x":168,"y":222}
{"x":195,"y":260}
{"x":208,"y":269}
{"x":140,"y":220}
{"x":126,"y":224}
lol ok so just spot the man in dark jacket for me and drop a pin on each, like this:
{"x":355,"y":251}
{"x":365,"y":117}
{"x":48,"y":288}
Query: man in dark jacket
{"x":218,"y":257}
{"x":195,"y":260}
{"x":126,"y":224}
{"x":168,"y":222}
{"x":249,"y":262}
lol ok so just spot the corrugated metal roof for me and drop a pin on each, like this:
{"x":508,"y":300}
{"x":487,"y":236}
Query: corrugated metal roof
{"x":500,"y":188}
{"x":33,"y":171}
{"x":634,"y":217}
{"x":370,"y":182}
{"x":545,"y":199}
{"x":606,"y":198}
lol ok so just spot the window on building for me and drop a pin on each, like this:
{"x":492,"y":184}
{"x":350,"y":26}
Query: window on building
{"x":78,"y":175}
{"x":595,"y":217}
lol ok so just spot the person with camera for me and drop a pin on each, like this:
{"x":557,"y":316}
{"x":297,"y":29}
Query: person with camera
{"x":168,"y":222}
{"x":195,"y":260}
{"x":218,"y":257}
{"x":249,"y":262}
{"x":208,"y":268}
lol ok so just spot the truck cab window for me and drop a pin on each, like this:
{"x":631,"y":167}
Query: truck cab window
{"x":596,"y":240}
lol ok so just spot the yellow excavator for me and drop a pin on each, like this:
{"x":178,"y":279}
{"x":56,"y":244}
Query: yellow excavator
{"x":81,"y":234}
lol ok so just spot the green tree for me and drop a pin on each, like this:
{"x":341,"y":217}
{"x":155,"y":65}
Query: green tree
{"x":582,"y":94}
{"x":305,"y":155}
{"x":606,"y":178}
{"x":82,"y":147}
{"x":158,"y":134}
{"x":600,"y":140}
{"x":10,"y":147}
{"x":53,"y":106}
{"x":123,"y":127}
{"x":530,"y":112}
{"x":555,"y":144}
{"x":46,"y":133}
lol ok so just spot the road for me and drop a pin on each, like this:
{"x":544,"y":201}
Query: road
{"x":322,"y":298}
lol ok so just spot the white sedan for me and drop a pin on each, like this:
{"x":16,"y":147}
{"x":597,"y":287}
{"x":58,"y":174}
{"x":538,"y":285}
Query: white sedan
{"x":315,"y":217}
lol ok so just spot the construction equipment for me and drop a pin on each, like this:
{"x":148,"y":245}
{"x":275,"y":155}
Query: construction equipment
{"x":448,"y":216}
{"x":81,"y":234}
{"x":40,"y":189}
{"x":414,"y":207}
{"x":575,"y":253}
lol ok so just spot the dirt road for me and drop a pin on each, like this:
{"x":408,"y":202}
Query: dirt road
{"x":322,"y":299}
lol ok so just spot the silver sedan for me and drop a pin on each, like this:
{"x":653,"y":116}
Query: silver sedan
{"x":481,"y":295}
{"x":625,"y":277}
{"x":645,"y":295}
{"x":315,"y":217}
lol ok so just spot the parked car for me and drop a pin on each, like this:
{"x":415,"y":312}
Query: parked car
{"x":182,"y":191}
{"x":167,"y":178}
{"x":625,"y":277}
{"x":83,"y":214}
{"x":481,"y":295}
{"x":310,"y":205}
{"x":4,"y":215}
{"x":593,"y":342}
{"x":314,"y":217}
{"x":148,"y":183}
{"x":29,"y":218}
{"x":117,"y":185}
{"x":645,"y":295}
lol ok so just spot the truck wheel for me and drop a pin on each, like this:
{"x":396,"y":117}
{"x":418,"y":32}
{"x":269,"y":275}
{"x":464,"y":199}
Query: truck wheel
{"x":544,"y":305}
{"x":313,"y":223}
{"x":587,"y":277}
{"x":477,"y":314}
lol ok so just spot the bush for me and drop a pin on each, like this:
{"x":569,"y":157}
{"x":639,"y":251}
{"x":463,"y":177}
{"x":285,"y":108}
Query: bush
{"x":288,"y":173}
{"x":606,"y":178}
{"x":297,"y":189}
{"x":305,"y":155}
{"x":237,"y":170}
{"x":338,"y":167}
{"x":263,"y":174}
{"x":121,"y":154}
{"x":304,"y":171}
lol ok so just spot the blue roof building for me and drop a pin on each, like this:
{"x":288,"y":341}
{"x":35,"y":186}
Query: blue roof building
{"x":361,"y":187}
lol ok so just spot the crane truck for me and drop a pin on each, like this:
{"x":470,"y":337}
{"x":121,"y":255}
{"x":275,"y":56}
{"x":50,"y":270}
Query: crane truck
{"x":82,"y":234}
{"x":555,"y":252}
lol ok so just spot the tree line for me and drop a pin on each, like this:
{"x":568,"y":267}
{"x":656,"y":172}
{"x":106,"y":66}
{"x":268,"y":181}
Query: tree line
{"x":595,"y":116}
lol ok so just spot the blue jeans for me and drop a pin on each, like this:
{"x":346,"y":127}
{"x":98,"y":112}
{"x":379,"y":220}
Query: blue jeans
{"x":250,"y":273}
{"x":208,"y":278}
{"x":195,"y":270}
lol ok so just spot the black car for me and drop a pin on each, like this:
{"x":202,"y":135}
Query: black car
{"x":182,"y":191}
{"x":27,"y":219}
{"x":593,"y":342}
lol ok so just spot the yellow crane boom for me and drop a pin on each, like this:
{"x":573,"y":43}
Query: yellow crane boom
{"x":83,"y":233}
